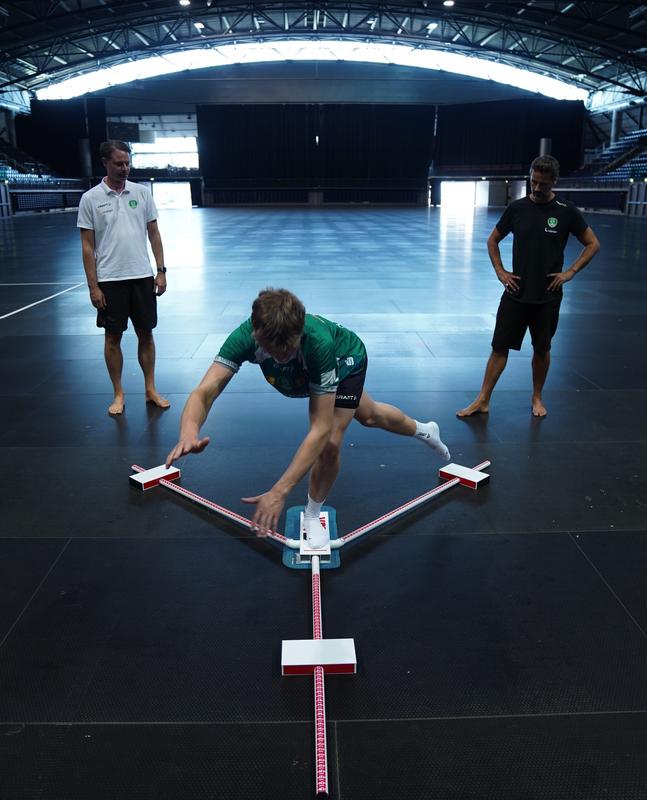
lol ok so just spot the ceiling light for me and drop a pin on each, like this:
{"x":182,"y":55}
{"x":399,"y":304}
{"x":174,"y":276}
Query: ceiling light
{"x":448,"y":3}
{"x":310,"y":50}
{"x":185,"y":2}
{"x":199,"y":25}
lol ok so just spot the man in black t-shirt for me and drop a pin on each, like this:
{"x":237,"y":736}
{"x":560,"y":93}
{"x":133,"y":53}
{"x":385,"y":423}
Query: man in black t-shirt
{"x":541,"y":224}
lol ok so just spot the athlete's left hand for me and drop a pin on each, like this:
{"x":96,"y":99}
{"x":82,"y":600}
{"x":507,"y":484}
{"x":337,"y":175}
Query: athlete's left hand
{"x":559,"y":278}
{"x":160,"y":283}
{"x":268,"y":511}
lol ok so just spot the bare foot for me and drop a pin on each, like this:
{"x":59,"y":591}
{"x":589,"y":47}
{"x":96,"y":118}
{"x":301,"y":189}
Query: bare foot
{"x":538,"y":408}
{"x":117,"y":406}
{"x":157,"y":400}
{"x":477,"y":407}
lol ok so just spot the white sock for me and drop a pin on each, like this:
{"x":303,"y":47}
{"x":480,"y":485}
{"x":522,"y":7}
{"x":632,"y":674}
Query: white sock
{"x":313,"y":508}
{"x":429,"y":433}
{"x":316,"y":534}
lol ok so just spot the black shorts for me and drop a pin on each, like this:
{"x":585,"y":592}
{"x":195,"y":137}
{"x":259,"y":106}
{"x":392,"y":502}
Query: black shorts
{"x":130,"y":298}
{"x":349,"y":391}
{"x":513,"y":319}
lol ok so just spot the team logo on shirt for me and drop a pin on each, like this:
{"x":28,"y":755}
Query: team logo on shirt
{"x":552,"y":222}
{"x":328,"y":378}
{"x":133,"y":204}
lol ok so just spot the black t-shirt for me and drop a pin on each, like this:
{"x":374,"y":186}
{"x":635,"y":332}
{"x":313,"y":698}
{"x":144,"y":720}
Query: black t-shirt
{"x":540,"y":231}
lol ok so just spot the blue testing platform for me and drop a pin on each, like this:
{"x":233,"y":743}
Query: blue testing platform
{"x":292,"y":558}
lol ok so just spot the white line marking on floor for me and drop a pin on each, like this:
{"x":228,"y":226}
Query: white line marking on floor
{"x":41,"y":283}
{"x":31,"y":305}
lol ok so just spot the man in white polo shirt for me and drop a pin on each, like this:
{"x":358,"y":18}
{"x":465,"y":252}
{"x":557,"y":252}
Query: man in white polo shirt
{"x":115,"y":217}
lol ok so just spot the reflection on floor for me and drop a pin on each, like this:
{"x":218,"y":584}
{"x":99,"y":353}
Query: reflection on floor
{"x":501,"y":635}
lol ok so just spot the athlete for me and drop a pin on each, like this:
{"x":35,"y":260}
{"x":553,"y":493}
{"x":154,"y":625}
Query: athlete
{"x":116,"y":217}
{"x":541,"y":225}
{"x":301,"y":355}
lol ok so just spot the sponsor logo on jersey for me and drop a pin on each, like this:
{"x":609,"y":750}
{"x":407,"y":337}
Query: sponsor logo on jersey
{"x":328,"y":378}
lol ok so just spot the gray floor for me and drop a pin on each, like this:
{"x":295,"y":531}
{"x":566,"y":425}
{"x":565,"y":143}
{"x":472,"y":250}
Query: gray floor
{"x":501,"y":635}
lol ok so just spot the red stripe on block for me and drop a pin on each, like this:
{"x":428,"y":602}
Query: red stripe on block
{"x":321,"y":750}
{"x":308,"y":669}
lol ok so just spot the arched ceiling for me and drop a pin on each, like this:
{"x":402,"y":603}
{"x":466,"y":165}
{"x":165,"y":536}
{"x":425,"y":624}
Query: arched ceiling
{"x":598,"y":46}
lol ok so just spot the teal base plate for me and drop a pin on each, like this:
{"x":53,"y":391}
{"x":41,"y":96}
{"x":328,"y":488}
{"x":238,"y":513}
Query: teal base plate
{"x":291,"y":558}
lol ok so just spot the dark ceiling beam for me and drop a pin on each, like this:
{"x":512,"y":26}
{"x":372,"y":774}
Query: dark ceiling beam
{"x":141,"y":13}
{"x":551,"y":40}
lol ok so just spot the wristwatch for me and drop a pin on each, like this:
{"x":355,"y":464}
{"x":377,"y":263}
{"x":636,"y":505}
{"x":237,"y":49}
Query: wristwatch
{"x":162,"y":270}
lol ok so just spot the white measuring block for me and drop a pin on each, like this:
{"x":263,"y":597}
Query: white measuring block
{"x":301,"y":656}
{"x":150,"y":478}
{"x":304,"y":547}
{"x":467,"y":476}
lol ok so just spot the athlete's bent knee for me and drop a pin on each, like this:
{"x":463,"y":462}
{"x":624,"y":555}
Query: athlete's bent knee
{"x":367,"y":420}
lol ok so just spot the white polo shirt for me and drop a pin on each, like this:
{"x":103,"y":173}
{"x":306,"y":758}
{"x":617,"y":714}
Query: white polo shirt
{"x":119,"y":224}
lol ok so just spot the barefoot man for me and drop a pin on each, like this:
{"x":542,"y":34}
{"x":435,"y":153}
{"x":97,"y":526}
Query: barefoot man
{"x":115,"y":217}
{"x":300,"y":355}
{"x":541,"y":224}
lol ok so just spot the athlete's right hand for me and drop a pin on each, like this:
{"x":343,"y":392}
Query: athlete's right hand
{"x":185,"y":446}
{"x":97,"y":298}
{"x":509,"y":280}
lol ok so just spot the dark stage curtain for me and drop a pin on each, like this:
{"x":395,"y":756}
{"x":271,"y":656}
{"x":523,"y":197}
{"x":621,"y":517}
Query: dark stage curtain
{"x":332,"y":145}
{"x":256,"y":145}
{"x":504,"y":136}
{"x":52,"y":131}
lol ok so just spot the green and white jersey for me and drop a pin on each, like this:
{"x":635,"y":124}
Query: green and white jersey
{"x":327,"y":354}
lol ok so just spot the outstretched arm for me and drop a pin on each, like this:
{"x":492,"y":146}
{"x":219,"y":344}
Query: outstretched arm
{"x":196,"y":410}
{"x":270,"y":504}
{"x":591,"y":247}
